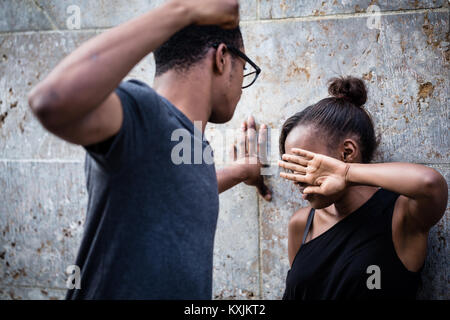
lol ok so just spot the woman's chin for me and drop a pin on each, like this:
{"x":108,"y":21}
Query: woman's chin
{"x":317,"y":201}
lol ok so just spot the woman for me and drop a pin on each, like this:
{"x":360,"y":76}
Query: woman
{"x":364,"y":234}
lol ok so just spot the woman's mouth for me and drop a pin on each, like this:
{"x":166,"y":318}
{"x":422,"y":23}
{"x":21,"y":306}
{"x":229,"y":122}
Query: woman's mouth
{"x":301,"y":186}
{"x":307,"y":197}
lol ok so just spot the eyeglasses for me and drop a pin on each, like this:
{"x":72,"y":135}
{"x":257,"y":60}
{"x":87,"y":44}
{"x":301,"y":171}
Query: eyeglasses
{"x":251,"y":75}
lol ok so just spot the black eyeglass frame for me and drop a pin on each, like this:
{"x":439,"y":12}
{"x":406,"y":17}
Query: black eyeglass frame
{"x":242,"y":55}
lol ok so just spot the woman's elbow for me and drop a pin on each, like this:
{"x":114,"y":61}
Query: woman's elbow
{"x":435,"y":185}
{"x":433,"y":180}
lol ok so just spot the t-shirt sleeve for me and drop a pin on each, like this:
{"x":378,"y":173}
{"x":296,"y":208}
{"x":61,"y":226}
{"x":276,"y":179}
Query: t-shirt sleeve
{"x":140,"y":105}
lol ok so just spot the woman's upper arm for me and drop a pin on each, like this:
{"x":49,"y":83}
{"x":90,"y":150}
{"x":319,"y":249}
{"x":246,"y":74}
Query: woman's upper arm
{"x":424,"y":212}
{"x":413,"y":218}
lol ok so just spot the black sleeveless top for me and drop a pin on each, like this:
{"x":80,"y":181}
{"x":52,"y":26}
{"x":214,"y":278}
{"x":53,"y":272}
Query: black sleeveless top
{"x":354,"y":259}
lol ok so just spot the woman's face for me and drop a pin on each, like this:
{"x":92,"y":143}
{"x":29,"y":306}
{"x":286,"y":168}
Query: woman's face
{"x":309,"y":138}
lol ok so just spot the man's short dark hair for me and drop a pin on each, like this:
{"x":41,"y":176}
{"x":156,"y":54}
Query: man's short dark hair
{"x":190,"y":45}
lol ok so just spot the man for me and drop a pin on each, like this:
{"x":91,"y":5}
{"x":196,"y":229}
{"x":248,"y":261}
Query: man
{"x":150,"y":223}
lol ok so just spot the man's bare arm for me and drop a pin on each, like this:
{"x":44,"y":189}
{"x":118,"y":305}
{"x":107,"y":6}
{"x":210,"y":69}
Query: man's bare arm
{"x":77,"y":102}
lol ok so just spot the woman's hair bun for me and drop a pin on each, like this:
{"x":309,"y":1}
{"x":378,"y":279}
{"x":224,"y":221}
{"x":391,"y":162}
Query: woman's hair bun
{"x":349,"y":88}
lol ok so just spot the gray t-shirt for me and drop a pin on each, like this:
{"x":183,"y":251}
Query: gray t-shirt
{"x":150,"y":223}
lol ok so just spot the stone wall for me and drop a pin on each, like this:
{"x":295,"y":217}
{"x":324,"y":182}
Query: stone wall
{"x":401,"y":48}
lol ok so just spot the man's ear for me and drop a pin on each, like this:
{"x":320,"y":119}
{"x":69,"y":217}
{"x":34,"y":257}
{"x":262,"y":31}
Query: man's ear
{"x":219,"y":58}
{"x":350,"y":151}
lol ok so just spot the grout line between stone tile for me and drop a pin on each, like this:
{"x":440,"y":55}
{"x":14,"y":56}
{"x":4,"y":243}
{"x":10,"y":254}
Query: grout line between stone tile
{"x":258,"y":20}
{"x":6,"y":285}
{"x":260,"y":259}
{"x":41,"y":160}
{"x":258,"y":8}
{"x":346,"y":15}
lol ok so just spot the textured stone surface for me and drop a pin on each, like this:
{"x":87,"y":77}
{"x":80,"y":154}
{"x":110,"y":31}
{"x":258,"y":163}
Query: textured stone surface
{"x":236,"y":254}
{"x":27,"y":59}
{"x":405,"y":64}
{"x":27,"y":293}
{"x":275,"y":9}
{"x":400,"y":61}
{"x":42,"y":223}
{"x":26,"y":15}
{"x":436,"y":275}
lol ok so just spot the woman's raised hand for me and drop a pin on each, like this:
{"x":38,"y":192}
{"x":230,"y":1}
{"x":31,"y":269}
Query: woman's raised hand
{"x":321,"y":174}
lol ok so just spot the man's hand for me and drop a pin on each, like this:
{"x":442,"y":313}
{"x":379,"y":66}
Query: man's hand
{"x":224,"y":13}
{"x":322,"y":175}
{"x":245,"y":154}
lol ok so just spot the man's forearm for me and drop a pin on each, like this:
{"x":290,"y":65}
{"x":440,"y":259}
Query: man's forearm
{"x":87,"y":76}
{"x":230,"y":176}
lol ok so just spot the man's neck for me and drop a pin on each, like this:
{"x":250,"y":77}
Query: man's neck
{"x":190,"y":93}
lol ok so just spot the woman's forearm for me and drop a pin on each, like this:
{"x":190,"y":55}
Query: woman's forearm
{"x":411,"y":180}
{"x":425,"y":191}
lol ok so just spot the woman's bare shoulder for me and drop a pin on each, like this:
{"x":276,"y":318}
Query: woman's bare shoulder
{"x":297,"y":222}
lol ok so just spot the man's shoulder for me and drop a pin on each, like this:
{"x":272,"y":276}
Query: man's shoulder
{"x":136,"y":87}
{"x":136,"y":83}
{"x":139,"y":97}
